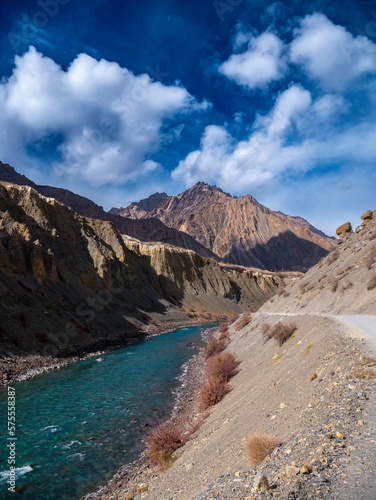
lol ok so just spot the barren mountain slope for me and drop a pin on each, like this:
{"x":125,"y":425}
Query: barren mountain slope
{"x":240,"y":230}
{"x":144,"y":230}
{"x":342,"y":283}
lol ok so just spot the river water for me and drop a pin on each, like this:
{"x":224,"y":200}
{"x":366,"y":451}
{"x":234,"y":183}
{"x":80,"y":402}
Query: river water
{"x":78,"y":425}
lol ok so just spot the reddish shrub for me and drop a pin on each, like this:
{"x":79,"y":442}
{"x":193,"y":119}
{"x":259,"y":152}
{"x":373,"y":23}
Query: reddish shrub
{"x":266,"y":331}
{"x":223,"y":328}
{"x":212,"y":393}
{"x":215,"y":346}
{"x":233,"y":318}
{"x":243,"y":321}
{"x":281,"y":333}
{"x":162,"y":441}
{"x":153,"y":322}
{"x":222,"y":367}
{"x":224,"y":333}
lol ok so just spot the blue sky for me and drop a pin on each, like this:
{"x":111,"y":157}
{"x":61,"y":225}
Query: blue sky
{"x":117,"y":100}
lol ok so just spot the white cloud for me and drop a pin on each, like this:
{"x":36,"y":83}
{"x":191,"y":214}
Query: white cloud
{"x":331,"y":54}
{"x":257,"y":160}
{"x":298,"y":134}
{"x":109,"y":119}
{"x":260,"y":65}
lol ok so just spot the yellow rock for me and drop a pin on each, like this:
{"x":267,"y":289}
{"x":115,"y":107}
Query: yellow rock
{"x":339,"y":435}
{"x":292,"y":471}
{"x":304,"y":470}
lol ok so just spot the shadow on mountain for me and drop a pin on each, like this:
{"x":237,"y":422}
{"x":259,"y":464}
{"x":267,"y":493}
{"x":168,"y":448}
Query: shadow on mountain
{"x":285,"y":252}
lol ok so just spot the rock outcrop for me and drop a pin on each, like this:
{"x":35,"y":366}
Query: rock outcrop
{"x":344,"y":231}
{"x":240,"y":230}
{"x":367,"y":215}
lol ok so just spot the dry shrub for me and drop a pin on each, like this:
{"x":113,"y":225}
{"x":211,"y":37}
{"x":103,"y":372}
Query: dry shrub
{"x":332,"y":257}
{"x":344,"y":270}
{"x":364,"y":373}
{"x":370,"y":259}
{"x":266,"y":331}
{"x":215,"y":346}
{"x":372,"y":283}
{"x":243,"y":321}
{"x":224,"y":333}
{"x":162,"y":441}
{"x":281,"y":333}
{"x":333,"y":284}
{"x":346,"y":285}
{"x":223,"y":328}
{"x":367,"y":361}
{"x":153,"y":322}
{"x":212,"y":393}
{"x":281,"y":291}
{"x":222,"y":367}
{"x":234,"y":317}
{"x":259,"y":446}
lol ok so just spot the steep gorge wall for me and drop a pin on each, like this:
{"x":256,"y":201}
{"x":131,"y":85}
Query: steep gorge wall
{"x":58,"y":268}
{"x":199,"y":277}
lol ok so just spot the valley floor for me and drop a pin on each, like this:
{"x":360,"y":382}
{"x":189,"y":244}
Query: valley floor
{"x":306,"y":393}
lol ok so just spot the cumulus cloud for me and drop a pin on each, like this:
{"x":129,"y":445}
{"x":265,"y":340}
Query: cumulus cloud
{"x":298,"y":134}
{"x":327,"y":52}
{"x":257,"y":160}
{"x":310,"y":127}
{"x":105,"y":120}
{"x":331,"y":54}
{"x":262,"y":63}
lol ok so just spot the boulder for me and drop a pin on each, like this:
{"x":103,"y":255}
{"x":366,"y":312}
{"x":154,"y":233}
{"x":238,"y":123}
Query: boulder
{"x":344,"y":231}
{"x":367,"y":215}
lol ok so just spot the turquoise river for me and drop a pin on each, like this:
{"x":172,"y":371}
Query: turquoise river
{"x":77,"y":425}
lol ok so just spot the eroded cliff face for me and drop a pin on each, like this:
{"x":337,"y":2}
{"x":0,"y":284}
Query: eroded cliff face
{"x":143,"y":229}
{"x":200,"y":278}
{"x":59,"y":269}
{"x":240,"y":230}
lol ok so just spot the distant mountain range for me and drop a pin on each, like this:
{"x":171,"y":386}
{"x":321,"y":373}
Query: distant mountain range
{"x":238,"y":231}
{"x":205,"y":219}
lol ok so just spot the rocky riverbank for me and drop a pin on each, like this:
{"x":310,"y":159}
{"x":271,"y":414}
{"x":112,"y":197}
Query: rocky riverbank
{"x":133,"y":479}
{"x":20,"y":368}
